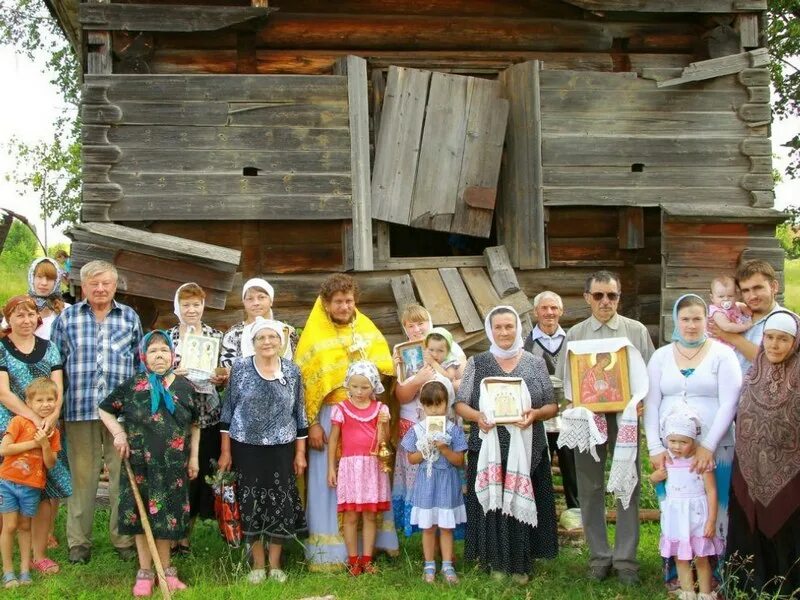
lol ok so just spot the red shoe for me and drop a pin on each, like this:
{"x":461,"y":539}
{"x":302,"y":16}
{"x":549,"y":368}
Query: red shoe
{"x":354,"y":566}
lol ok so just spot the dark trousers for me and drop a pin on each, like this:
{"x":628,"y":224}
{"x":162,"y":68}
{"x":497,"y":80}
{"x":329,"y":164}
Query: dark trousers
{"x":566,"y":463}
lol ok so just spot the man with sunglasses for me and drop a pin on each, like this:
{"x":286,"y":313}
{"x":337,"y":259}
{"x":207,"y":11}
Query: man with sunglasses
{"x":602,"y":292}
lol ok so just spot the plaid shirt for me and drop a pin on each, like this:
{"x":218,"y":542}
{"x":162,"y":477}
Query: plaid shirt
{"x":97,"y":356}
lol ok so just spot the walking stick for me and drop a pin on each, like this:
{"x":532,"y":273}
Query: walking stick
{"x":148,"y":534}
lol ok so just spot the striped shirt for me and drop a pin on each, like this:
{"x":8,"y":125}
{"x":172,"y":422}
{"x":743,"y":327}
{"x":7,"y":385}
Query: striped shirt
{"x":97,"y":357}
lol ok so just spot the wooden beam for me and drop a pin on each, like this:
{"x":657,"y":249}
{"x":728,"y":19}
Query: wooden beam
{"x":500,"y":270}
{"x":429,"y":262}
{"x":717,"y":67}
{"x":747,"y":24}
{"x":631,"y":227}
{"x":355,"y":69}
{"x":434,"y":296}
{"x":470,"y":319}
{"x":171,"y":18}
{"x":403,"y":291}
{"x":667,"y":6}
{"x":481,"y":289}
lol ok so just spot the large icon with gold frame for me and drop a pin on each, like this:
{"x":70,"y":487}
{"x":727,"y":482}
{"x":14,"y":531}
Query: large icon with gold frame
{"x":600,"y":380}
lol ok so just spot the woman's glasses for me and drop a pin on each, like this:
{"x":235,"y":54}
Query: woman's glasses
{"x":598,"y":296}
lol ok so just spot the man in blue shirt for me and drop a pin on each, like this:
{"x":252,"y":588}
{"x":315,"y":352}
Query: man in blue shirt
{"x":98,"y":339}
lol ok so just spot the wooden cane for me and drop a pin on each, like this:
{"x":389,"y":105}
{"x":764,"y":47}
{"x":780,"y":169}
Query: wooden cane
{"x":148,"y":534}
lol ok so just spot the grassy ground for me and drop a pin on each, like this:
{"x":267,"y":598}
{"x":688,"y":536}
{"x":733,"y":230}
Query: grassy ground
{"x":792,"y":283}
{"x":215,"y":572}
{"x":13,"y":280}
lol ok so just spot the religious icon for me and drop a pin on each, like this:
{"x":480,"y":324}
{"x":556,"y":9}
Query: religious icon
{"x":412,"y":359}
{"x":436,"y":424}
{"x":505,"y":398}
{"x":287,"y":331}
{"x":199,"y":354}
{"x":600,"y":380}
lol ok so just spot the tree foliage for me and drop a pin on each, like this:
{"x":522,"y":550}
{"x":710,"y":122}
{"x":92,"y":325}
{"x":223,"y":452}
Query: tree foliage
{"x":783,"y":37}
{"x":49,"y":169}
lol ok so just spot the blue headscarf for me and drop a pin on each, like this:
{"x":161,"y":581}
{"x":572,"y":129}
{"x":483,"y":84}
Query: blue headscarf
{"x":676,"y":334}
{"x":157,"y":390}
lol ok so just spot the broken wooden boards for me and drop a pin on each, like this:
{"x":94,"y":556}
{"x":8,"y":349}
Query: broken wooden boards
{"x":437,"y":157}
{"x":461,"y":298}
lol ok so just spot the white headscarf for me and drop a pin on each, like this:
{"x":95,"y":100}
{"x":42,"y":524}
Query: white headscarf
{"x":177,"y":305}
{"x":264,"y":285}
{"x":250,"y":331}
{"x":681,"y":422}
{"x":494,"y":348}
{"x":366,"y":369}
{"x":781,"y":321}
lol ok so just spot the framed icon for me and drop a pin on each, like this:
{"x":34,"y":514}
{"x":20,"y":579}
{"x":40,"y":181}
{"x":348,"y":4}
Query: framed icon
{"x":505,"y":398}
{"x":600,"y":380}
{"x":412,"y":359}
{"x":199,"y":353}
{"x":437,"y":424}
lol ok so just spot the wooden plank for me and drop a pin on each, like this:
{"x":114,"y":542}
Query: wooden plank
{"x":500,"y":270}
{"x":646,"y":196}
{"x":483,"y":151}
{"x":217,"y":184}
{"x":666,"y":100}
{"x":397,"y":147}
{"x":220,"y":138}
{"x":619,"y":121}
{"x":480,"y":288}
{"x":519,"y":302}
{"x":650,"y":176}
{"x":659,"y":6}
{"x":148,"y":17}
{"x":687,"y":212}
{"x":429,"y":262}
{"x":434,"y":296}
{"x":470,"y":319}
{"x":747,"y":25}
{"x":441,"y":153}
{"x":717,"y":67}
{"x":631,"y":227}
{"x":521,"y":227}
{"x":223,"y":88}
{"x":358,"y":104}
{"x":158,"y":244}
{"x":382,"y":241}
{"x":403,"y":291}
{"x":347,"y":244}
{"x":774,"y":256}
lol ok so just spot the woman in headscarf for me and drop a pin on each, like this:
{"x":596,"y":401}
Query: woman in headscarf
{"x":44,"y":286}
{"x":511,"y":516}
{"x":24,"y":357}
{"x":763,"y":550}
{"x":264,"y":430}
{"x":151,"y":417}
{"x":703,"y":374}
{"x":189,"y":304}
{"x":258,"y":296}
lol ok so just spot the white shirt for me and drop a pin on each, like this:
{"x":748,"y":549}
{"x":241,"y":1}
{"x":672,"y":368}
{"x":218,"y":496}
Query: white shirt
{"x":551,"y":342}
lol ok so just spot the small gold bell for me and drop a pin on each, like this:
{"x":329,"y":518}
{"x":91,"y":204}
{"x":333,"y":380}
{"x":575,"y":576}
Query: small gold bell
{"x":386,"y":456}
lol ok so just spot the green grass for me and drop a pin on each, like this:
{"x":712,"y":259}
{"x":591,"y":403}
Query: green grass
{"x":13,"y":280}
{"x":792,"y":285}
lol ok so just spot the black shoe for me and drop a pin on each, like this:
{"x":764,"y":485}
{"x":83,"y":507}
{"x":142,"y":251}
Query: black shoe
{"x":628,"y":576}
{"x":127,"y":553}
{"x":80,"y":554}
{"x":599,"y":572}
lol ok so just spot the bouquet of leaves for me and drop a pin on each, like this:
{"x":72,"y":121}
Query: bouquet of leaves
{"x":226,"y":507}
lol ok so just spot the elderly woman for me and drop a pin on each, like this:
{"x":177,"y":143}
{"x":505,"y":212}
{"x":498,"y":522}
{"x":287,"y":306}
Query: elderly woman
{"x":189,"y":304}
{"x":704,"y":375}
{"x":44,"y":286}
{"x":264,"y":430}
{"x":257,"y":296}
{"x":764,"y":538}
{"x":510,"y":521}
{"x":23,"y":358}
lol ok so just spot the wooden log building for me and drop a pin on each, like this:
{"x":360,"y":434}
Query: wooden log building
{"x":460,"y":152}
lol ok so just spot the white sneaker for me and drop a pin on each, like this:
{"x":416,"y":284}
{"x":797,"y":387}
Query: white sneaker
{"x":257,"y":576}
{"x":278,"y":575}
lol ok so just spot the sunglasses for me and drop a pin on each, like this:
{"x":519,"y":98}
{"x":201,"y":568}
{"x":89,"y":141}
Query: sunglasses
{"x":598,"y":296}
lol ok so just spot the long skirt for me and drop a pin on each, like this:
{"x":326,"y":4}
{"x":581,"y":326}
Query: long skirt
{"x":201,"y":496}
{"x":501,"y":543}
{"x":269,"y":503}
{"x":756,"y":563}
{"x":723,"y":458}
{"x":325,"y":550}
{"x":59,"y":478}
{"x":403,"y":486}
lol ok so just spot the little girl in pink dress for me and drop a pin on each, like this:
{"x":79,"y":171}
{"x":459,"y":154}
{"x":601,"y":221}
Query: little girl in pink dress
{"x":362,"y":488}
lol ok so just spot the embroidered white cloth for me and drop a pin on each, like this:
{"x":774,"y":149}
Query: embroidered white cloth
{"x":513,"y":495}
{"x":584,"y":430}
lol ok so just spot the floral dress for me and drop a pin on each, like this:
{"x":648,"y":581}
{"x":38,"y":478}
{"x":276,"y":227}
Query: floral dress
{"x":159,"y":457}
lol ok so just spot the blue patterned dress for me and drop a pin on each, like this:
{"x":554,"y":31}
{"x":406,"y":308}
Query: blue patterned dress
{"x":22,"y":369}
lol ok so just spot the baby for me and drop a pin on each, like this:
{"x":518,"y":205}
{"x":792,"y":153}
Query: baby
{"x":724,"y":311}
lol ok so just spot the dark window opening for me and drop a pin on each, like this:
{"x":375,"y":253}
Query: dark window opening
{"x":250,"y":171}
{"x":411,"y":242}
{"x":637,"y":168}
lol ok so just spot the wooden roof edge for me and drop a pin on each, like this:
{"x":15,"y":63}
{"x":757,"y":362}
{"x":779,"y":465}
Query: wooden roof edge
{"x":664,"y":6}
{"x":65,"y":12}
{"x":723,"y":214}
{"x":158,"y":244}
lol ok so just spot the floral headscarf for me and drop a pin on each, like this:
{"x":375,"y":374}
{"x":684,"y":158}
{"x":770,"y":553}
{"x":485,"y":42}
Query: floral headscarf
{"x":47,"y":301}
{"x":368,"y":370}
{"x":158,"y":392}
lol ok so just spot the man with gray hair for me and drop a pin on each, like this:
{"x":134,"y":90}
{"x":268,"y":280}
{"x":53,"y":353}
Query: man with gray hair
{"x":602,"y":292}
{"x":99,"y":343}
{"x":546,"y":339}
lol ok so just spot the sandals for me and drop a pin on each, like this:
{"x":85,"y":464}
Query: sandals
{"x":173,"y":583}
{"x":144,"y":583}
{"x":25,"y":578}
{"x":278,"y":575}
{"x":449,"y":573}
{"x":429,"y":572}
{"x":10,"y":580}
{"x":46,"y":566}
{"x":256,"y":576}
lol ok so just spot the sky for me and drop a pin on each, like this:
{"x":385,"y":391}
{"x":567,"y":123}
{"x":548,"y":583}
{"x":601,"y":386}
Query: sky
{"x":29,"y":104}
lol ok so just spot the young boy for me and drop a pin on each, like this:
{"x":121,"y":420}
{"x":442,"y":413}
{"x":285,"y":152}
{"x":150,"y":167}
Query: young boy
{"x":27,"y":453}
